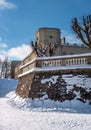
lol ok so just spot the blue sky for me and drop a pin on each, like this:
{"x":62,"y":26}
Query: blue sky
{"x":19,"y":21}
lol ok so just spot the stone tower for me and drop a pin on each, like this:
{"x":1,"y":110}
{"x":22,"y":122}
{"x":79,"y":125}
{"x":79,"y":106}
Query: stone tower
{"x":48,"y":40}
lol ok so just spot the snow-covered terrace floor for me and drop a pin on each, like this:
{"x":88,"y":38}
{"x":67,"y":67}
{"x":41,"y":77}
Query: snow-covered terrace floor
{"x":56,"y":68}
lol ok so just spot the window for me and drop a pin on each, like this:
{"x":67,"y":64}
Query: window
{"x":51,"y":37}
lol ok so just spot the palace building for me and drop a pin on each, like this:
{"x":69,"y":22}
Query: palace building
{"x":50,"y":43}
{"x":50,"y":56}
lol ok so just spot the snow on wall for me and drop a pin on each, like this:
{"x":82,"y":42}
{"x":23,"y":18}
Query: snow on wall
{"x":65,"y":56}
{"x":53,"y":79}
{"x":79,"y":80}
{"x":56,"y":68}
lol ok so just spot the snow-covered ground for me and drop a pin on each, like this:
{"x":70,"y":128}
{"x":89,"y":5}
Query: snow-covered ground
{"x":19,"y":114}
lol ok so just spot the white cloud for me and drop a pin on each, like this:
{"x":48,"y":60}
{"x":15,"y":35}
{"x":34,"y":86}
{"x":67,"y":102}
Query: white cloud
{"x":19,"y":52}
{"x":6,"y":5}
{"x":2,"y":54}
{"x":2,"y":57}
{"x":3,"y":45}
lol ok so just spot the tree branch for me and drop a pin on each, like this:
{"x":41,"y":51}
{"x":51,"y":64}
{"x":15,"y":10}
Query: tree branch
{"x":82,"y":30}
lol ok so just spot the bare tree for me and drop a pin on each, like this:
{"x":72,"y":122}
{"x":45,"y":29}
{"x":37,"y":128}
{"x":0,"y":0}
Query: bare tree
{"x":83,"y":29}
{"x":5,"y":69}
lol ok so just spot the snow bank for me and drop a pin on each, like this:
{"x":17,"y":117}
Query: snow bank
{"x":73,"y":106}
{"x":7,"y":89}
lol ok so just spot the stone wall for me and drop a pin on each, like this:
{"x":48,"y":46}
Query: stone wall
{"x":24,"y":85}
{"x":71,"y":49}
{"x":47,"y":35}
{"x":29,"y":58}
{"x":37,"y":85}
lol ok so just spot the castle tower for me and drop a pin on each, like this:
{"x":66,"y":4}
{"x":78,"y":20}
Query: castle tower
{"x":48,"y":39}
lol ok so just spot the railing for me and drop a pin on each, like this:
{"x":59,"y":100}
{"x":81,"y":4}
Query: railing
{"x":42,"y":62}
{"x":64,"y":62}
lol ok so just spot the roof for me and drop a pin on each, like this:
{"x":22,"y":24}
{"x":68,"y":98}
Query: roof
{"x":47,"y":28}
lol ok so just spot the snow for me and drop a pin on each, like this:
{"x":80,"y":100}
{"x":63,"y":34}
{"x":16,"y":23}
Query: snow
{"x":55,"y":57}
{"x":55,"y":68}
{"x":27,"y":72}
{"x":65,"y":56}
{"x":53,"y":80}
{"x":71,"y":67}
{"x":47,"y":105}
{"x":26,"y":114}
{"x":7,"y":86}
{"x":28,"y":63}
{"x":79,"y":80}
